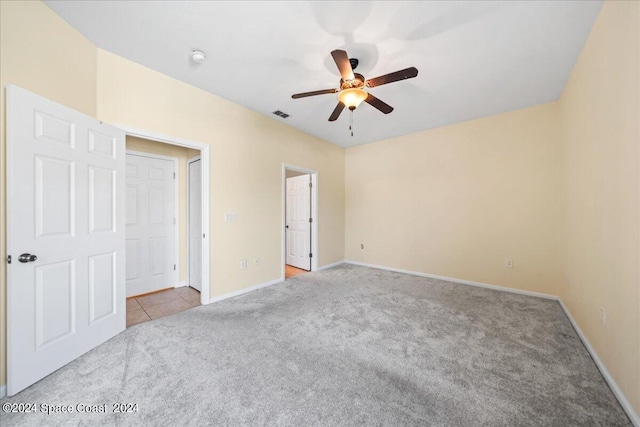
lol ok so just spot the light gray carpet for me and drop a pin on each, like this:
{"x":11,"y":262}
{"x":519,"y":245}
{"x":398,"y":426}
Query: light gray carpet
{"x":346,"y":346}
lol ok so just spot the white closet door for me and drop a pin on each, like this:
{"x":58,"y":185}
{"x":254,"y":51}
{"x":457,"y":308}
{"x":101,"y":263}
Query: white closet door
{"x":66,"y":236}
{"x":298,"y":225}
{"x":151,"y":222}
{"x":195,"y":225}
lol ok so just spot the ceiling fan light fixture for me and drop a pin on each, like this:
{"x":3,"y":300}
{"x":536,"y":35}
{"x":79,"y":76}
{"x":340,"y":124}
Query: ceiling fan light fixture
{"x":352,"y":97}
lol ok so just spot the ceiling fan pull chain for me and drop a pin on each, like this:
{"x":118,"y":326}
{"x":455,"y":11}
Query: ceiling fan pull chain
{"x":351,"y":121}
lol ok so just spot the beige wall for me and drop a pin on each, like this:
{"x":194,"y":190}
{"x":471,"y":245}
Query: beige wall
{"x":600,"y":192}
{"x":182,"y":154}
{"x":42,"y":53}
{"x":247,"y":152}
{"x":460,"y":200}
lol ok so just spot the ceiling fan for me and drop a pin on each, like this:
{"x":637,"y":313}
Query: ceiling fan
{"x":352,"y":91}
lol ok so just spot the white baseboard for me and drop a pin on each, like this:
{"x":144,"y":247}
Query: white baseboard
{"x":246,"y":290}
{"x":333,"y":264}
{"x":3,"y":390}
{"x":454,"y":280}
{"x":181,"y":284}
{"x":624,"y":402}
{"x":262,"y":285}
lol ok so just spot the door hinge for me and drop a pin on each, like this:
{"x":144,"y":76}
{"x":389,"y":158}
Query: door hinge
{"x":174,"y":175}
{"x":8,"y":259}
{"x":310,"y":219}
{"x":174,"y":221}
{"x":310,"y":255}
{"x":174,"y":267}
{"x":310,"y":185}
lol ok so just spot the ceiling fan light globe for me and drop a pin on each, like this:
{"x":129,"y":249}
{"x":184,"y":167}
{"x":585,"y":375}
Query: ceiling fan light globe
{"x":352,"y":97}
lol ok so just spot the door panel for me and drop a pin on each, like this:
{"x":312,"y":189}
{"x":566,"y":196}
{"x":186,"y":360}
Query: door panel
{"x":195,"y":225}
{"x":54,"y":194}
{"x":133,"y":259}
{"x":102,"y":144}
{"x":55,"y":308}
{"x":151,"y":263}
{"x":298,"y":230}
{"x":65,"y":204}
{"x":54,"y":129}
{"x":102,"y":286}
{"x":102,"y":199}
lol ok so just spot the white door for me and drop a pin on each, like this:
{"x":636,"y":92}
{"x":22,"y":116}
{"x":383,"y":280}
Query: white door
{"x":66,"y":280}
{"x":151,"y":224}
{"x":195,"y":225}
{"x":298,"y":221}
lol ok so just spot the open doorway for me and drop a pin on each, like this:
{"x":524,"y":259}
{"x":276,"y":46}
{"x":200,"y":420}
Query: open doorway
{"x":159,"y":250}
{"x":299,"y":220}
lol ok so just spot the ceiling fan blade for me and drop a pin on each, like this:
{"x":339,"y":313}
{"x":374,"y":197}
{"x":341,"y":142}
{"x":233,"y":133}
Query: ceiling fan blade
{"x":380,"y":105}
{"x":336,"y":112}
{"x":407,"y":73}
{"x":342,"y":61}
{"x":315,"y":92}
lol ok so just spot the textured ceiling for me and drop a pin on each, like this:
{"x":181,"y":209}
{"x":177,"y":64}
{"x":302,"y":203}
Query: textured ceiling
{"x":474,"y":58}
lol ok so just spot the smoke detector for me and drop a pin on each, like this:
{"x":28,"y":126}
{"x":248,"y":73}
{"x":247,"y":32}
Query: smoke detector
{"x":198,"y":56}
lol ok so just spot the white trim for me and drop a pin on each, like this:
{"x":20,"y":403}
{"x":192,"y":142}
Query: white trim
{"x":3,"y":391}
{"x":454,"y":280}
{"x":181,"y":284}
{"x":188,"y":171}
{"x":176,"y":204}
{"x":314,"y":214}
{"x":333,"y":264}
{"x":205,"y":151}
{"x":603,"y":370}
{"x":246,"y":290}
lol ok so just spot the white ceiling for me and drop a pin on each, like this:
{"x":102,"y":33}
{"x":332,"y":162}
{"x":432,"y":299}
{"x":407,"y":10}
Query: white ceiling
{"x":474,"y":58}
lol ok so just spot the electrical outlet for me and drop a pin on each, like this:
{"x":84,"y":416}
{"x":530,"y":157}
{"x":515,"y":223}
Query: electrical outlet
{"x":256,"y":261}
{"x":509,"y":263}
{"x":361,"y":245}
{"x":603,"y":316}
{"x":243,"y":264}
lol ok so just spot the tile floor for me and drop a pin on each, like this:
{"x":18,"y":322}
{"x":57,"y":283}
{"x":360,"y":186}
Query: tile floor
{"x":151,"y":306}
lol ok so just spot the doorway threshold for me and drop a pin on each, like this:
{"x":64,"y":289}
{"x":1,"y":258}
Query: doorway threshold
{"x":152,"y":306}
{"x":291,"y":271}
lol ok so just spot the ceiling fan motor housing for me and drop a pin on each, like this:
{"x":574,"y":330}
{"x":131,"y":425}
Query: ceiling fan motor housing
{"x":357,"y":82}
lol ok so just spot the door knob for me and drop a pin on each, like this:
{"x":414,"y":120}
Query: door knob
{"x":286,"y":226}
{"x":27,"y":258}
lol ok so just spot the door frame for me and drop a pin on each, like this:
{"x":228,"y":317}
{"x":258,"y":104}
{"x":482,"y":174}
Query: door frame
{"x":206,"y":183}
{"x":189,"y":161}
{"x":176,"y":205}
{"x":314,"y":215}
